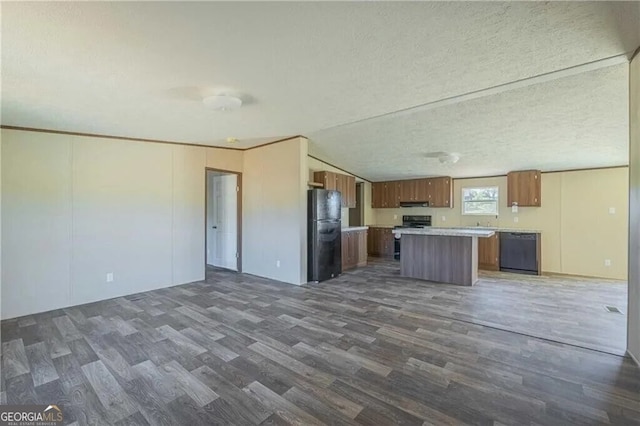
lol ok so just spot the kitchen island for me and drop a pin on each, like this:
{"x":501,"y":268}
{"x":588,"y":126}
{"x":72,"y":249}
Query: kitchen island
{"x":441,"y":254}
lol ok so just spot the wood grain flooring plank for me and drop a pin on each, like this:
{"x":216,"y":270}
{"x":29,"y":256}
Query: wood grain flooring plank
{"x":69,"y":372}
{"x":181,"y":340}
{"x":202,"y":318}
{"x":246,"y":407}
{"x":377,"y":410}
{"x":152,"y":406}
{"x":280,"y":406}
{"x":355,"y":358}
{"x":26,"y":321}
{"x":154,"y":377}
{"x":239,"y":377}
{"x":131,"y":348}
{"x":190,"y":413}
{"x":110,"y":357}
{"x":275,"y":420}
{"x":42,"y":368}
{"x":67,"y":329}
{"x":86,"y":407}
{"x":52,"y":393}
{"x":292,"y":364}
{"x":82,"y":351}
{"x":146,"y":330}
{"x":189,"y":384}
{"x":211,"y":345}
{"x":30,"y":334}
{"x":122,"y":326}
{"x":136,"y":419}
{"x":109,"y":392}
{"x":14,"y":359}
{"x":128,"y":305}
{"x":166,"y":351}
{"x":20,"y":390}
{"x":316,"y":408}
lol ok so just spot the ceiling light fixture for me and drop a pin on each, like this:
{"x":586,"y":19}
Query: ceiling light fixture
{"x":222,"y":102}
{"x":444,"y":157}
{"x":449,"y":158}
{"x":232,"y":140}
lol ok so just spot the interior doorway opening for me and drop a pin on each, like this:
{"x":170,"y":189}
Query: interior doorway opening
{"x":356,"y":215}
{"x":223,"y":219}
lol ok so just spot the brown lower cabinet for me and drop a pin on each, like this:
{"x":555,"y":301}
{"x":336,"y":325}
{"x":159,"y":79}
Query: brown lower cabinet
{"x":380,"y":242}
{"x":489,"y":253}
{"x":354,"y":249}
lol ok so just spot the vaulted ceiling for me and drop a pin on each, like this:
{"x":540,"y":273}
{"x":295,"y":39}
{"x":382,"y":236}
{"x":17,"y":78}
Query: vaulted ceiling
{"x":375,"y":86}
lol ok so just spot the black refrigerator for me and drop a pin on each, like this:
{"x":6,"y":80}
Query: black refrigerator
{"x":324,"y":234}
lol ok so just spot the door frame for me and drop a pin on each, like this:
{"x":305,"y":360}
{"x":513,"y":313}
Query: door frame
{"x":238,"y":213}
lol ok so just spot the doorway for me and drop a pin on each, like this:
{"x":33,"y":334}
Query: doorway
{"x":223,"y":219}
{"x":356,"y":215}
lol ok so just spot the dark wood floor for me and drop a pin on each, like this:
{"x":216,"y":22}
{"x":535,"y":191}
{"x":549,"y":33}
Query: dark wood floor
{"x":366,"y":348}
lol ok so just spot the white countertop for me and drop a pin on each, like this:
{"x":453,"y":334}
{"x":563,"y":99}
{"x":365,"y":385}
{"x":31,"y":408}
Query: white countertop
{"x":354,"y":228}
{"x":490,"y":228}
{"x":447,"y":232}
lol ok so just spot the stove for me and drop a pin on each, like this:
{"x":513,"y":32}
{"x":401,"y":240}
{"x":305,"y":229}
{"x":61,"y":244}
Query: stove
{"x":409,"y":221}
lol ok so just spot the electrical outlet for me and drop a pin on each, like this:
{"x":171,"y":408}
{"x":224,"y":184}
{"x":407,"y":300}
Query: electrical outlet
{"x":109,"y":277}
{"x":444,"y":218}
{"x":607,"y":262}
{"x":277,"y":263}
{"x":395,"y":216}
{"x":612,"y":210}
{"x":515,"y":219}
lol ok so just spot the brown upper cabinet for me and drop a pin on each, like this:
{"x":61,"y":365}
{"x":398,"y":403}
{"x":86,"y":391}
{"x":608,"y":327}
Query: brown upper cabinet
{"x":346,"y":185}
{"x":524,"y":188}
{"x":438,"y":192}
{"x":328,"y":179}
{"x":385,"y":194}
{"x":414,"y":190}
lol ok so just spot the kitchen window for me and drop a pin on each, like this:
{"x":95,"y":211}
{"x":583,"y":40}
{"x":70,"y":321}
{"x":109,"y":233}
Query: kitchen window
{"x":480,"y":201}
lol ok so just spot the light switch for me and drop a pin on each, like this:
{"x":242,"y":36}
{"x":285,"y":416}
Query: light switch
{"x":515,"y":219}
{"x":395,"y":216}
{"x":612,"y":210}
{"x":444,"y":218}
{"x":514,"y":208}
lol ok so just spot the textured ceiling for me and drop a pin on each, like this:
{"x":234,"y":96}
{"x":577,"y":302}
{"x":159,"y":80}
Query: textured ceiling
{"x":140,"y":70}
{"x":574,"y":122}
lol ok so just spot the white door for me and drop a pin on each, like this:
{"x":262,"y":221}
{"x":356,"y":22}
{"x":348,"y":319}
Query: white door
{"x":222,"y":221}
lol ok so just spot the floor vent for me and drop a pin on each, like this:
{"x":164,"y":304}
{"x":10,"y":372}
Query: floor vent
{"x":613,"y":309}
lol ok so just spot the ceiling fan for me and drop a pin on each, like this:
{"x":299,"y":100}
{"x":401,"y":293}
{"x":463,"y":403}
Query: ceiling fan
{"x":444,"y":157}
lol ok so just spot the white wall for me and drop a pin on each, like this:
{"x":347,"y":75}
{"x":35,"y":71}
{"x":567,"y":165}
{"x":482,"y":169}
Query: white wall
{"x":274,"y":224}
{"x":78,"y":207}
{"x":633,"y":341}
{"x":0,"y":231}
{"x":36,"y":220}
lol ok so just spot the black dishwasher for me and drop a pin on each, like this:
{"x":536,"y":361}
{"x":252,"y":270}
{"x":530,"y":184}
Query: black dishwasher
{"x":519,"y":252}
